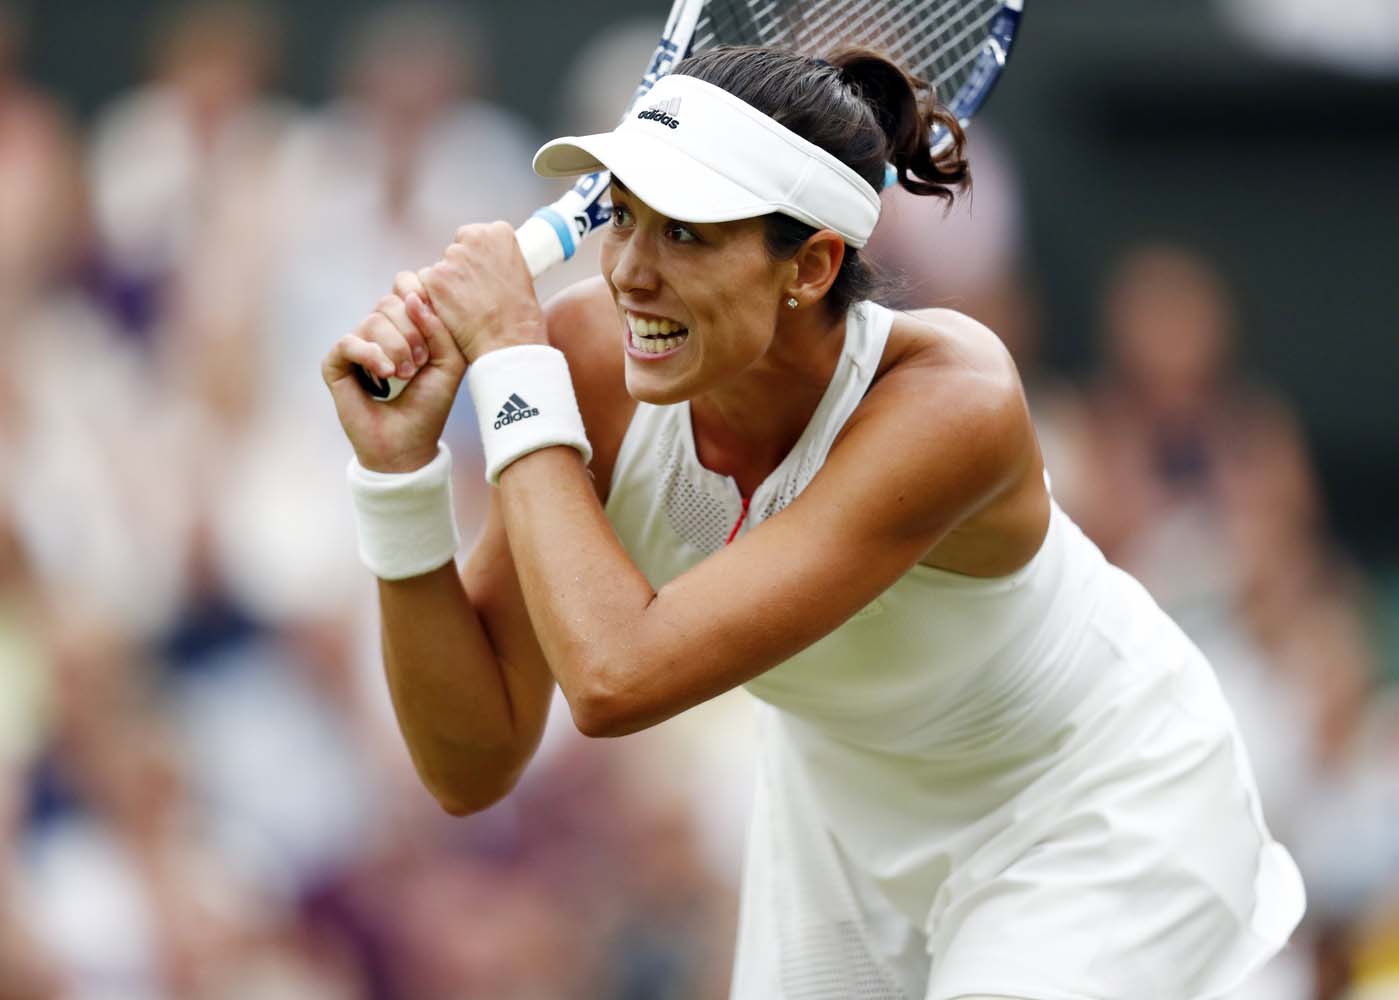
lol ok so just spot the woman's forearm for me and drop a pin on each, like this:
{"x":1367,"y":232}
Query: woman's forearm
{"x":586,"y":598}
{"x":452,"y":694}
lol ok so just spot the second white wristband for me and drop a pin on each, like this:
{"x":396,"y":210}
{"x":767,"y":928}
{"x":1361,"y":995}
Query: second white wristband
{"x":524,"y":402}
{"x":404,"y":519}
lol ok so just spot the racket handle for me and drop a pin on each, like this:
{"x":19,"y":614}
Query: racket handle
{"x":541,"y":243}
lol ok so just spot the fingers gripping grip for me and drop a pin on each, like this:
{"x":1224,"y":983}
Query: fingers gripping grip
{"x":545,"y":240}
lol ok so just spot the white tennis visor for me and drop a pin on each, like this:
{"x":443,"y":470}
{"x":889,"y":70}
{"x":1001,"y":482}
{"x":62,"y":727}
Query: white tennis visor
{"x":695,"y":153}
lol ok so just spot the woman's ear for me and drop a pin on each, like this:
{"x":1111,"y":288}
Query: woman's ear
{"x":817,"y":265}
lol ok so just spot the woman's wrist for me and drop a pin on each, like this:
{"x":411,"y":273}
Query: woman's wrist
{"x":404,"y":520}
{"x":521,"y":334}
{"x":399,"y":462}
{"x":525,"y":402}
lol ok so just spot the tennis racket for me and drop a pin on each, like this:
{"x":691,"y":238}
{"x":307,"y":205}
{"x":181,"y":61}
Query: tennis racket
{"x":959,"y":46}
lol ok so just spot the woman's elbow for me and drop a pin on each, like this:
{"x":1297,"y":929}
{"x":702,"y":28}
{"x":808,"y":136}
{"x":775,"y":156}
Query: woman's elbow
{"x":464,"y":795}
{"x":459,"y":808}
{"x":602,"y":711}
{"x":468,"y":801}
{"x":597,"y":717}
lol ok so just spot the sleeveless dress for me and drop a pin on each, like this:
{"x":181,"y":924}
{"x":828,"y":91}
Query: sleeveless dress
{"x":1026,"y":786}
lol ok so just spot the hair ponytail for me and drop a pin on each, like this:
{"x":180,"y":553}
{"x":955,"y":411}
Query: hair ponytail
{"x":906,"y":110}
{"x":862,"y":109}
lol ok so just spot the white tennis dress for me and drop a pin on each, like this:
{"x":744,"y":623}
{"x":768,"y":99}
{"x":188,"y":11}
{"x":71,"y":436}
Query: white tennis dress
{"x":1026,"y":786}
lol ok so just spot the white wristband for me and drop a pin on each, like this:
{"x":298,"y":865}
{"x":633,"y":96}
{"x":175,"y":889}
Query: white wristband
{"x":404,"y":519}
{"x":524,"y":402}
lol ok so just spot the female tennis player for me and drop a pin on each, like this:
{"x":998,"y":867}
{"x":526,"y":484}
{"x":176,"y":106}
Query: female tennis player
{"x":990,"y":765}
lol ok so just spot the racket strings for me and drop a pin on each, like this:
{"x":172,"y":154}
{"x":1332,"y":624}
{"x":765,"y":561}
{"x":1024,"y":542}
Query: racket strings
{"x":941,"y":42}
{"x":954,"y":50}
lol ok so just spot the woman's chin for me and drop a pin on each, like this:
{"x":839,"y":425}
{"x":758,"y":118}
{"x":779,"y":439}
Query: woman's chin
{"x":654,"y":388}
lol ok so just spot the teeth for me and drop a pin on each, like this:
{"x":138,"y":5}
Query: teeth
{"x":656,"y":345}
{"x":655,"y":336}
{"x":645,"y":327}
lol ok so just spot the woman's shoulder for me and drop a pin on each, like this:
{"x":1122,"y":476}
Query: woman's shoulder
{"x":584,"y":325}
{"x":583,"y":321}
{"x":948,"y":391}
{"x":941,"y":365}
{"x":944,"y":343}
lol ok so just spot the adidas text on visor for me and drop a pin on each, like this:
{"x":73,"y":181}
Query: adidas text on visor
{"x":695,"y":153}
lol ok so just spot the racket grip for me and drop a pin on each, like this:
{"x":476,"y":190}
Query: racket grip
{"x":541,"y":243}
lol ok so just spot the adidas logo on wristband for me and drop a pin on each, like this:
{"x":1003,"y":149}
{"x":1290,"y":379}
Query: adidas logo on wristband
{"x":514,"y":410}
{"x":505,"y":436}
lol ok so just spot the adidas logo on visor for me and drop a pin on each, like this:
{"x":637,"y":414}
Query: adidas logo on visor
{"x":664,"y":113}
{"x":514,"y":410}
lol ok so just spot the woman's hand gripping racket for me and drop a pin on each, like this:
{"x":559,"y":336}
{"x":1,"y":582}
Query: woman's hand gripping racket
{"x":958,"y":46}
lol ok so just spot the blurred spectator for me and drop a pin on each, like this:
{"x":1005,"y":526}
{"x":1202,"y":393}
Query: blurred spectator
{"x":1176,"y":423}
{"x":96,"y":520}
{"x":169,"y":157}
{"x":1202,"y":486}
{"x":375,"y":183}
{"x":380,"y":181}
{"x":1204,"y":490}
{"x":40,"y":181}
{"x":250,"y":707}
{"x":102,"y":503}
{"x":124,"y":892}
{"x":173,"y":163}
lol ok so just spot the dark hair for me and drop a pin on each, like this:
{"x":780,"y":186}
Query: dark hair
{"x":862,"y":109}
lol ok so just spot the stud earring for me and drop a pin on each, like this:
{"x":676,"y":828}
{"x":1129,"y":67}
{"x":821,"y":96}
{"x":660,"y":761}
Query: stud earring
{"x":792,"y":302}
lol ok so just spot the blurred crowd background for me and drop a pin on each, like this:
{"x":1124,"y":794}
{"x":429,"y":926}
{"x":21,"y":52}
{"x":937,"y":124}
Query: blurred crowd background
{"x":1182,"y":234}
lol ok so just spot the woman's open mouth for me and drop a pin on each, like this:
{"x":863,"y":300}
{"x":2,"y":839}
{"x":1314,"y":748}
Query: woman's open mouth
{"x":654,"y":338}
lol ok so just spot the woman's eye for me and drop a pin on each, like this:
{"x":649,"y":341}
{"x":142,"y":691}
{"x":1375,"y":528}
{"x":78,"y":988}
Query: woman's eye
{"x":621,"y":216}
{"x":680,"y":234}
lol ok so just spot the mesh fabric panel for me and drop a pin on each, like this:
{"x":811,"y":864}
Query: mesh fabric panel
{"x":696,"y":513}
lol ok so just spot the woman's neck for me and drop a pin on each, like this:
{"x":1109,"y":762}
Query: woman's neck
{"x":747,"y":426}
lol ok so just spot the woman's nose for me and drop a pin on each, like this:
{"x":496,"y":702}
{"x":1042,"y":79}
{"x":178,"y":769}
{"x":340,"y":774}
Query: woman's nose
{"x":633,"y":269}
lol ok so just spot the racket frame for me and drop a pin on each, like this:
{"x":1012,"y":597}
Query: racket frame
{"x":553,"y":233}
{"x":990,"y":63}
